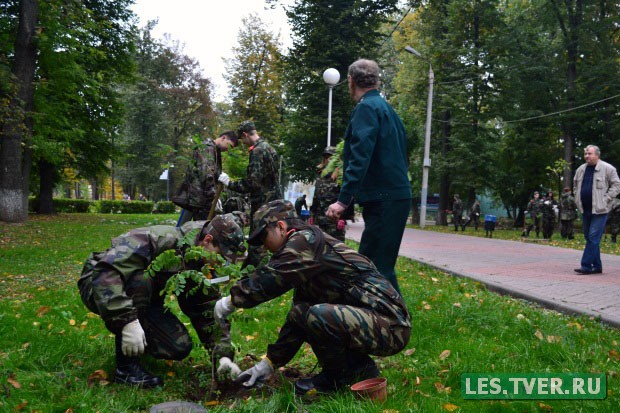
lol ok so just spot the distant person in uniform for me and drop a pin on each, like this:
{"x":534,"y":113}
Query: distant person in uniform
{"x":614,"y":220}
{"x":457,"y":212}
{"x":474,"y":215}
{"x":300,"y":203}
{"x":326,"y":191}
{"x":568,"y":214}
{"x":197,"y":192}
{"x":261,"y":181}
{"x":534,"y":208}
{"x":549,"y":207}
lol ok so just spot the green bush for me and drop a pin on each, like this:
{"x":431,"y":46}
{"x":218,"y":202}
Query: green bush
{"x":124,"y":207}
{"x":62,"y":204}
{"x":165,"y":207}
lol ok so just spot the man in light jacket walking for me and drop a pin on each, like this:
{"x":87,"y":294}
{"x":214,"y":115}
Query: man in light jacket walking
{"x":596,"y":184}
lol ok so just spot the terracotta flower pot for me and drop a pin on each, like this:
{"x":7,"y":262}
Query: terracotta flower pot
{"x":374,"y":389}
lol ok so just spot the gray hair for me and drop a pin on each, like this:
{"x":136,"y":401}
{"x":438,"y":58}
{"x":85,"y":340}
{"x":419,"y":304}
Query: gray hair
{"x":597,"y":150}
{"x":365,"y":73}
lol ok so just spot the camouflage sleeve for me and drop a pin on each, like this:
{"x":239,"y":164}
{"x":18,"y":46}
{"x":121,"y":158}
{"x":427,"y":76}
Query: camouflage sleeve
{"x":129,"y":256}
{"x":257,"y":167}
{"x":208,"y":165}
{"x":285,"y":348}
{"x":292,"y":266}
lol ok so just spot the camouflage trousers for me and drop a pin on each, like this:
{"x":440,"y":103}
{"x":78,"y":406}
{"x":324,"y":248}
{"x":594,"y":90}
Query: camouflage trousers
{"x":333,"y":330}
{"x":169,"y":339}
{"x":533,"y":223}
{"x":329,"y":227}
{"x":166,"y":335}
{"x":566,"y":228}
{"x":548,"y":225}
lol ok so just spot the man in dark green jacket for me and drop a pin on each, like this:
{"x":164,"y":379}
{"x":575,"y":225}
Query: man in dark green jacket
{"x":375,"y":170}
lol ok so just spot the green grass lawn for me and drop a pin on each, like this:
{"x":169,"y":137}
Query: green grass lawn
{"x":57,"y":357}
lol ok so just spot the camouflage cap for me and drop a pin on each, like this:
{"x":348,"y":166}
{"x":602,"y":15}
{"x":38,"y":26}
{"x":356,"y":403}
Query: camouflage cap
{"x":273,"y":211}
{"x":329,"y":150}
{"x":246,"y":126}
{"x":228,"y":235}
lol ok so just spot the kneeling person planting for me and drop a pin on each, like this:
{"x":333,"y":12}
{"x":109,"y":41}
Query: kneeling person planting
{"x":114,"y":285}
{"x":342,"y":306}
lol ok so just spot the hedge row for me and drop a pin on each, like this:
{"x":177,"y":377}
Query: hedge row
{"x":62,"y":205}
{"x":107,"y":207}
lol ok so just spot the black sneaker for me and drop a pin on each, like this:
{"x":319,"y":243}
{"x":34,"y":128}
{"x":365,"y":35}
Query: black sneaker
{"x":134,"y":375}
{"x":359,"y":367}
{"x":322,"y":382}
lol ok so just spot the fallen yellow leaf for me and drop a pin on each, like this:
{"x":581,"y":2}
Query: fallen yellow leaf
{"x":456,"y":304}
{"x":539,"y":335}
{"x":545,"y":407}
{"x":72,"y":322}
{"x":11,"y":380}
{"x":444,"y":355}
{"x":450,"y":407}
{"x":248,"y":338}
{"x":42,"y":311}
{"x":409,"y":351}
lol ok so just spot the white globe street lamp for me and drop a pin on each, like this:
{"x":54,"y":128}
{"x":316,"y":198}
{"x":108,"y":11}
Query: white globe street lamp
{"x":331,"y":77}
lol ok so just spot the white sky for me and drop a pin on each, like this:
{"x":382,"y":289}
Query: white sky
{"x":209,"y":29}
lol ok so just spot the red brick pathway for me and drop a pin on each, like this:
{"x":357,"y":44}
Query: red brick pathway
{"x":538,"y":273}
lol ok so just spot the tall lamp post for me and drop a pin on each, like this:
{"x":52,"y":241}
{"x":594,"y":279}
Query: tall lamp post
{"x":427,"y":136}
{"x":330,"y":76}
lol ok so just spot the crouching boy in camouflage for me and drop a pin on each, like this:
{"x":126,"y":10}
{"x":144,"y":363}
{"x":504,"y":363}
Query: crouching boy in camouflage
{"x":113,"y":285}
{"x":342,"y":306}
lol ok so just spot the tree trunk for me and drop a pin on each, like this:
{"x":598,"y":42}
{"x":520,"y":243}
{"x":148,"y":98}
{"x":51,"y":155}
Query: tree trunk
{"x":94,"y":185}
{"x":444,"y":182}
{"x":47,"y":171}
{"x":15,"y":130}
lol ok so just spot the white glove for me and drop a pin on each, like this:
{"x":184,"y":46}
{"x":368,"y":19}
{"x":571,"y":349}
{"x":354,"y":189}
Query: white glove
{"x":133,"y":339}
{"x":223,"y":308}
{"x":224,"y":179}
{"x":227,"y":366}
{"x":261,"y":371}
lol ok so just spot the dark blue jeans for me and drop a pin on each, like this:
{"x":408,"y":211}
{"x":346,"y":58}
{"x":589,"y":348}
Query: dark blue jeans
{"x":593,"y":229}
{"x":384,"y":225}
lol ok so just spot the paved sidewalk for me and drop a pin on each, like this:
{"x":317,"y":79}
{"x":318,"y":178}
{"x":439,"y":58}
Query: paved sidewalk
{"x":535,"y":272}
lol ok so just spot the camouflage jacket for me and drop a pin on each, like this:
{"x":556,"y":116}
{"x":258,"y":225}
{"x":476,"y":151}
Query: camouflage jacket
{"x":568,"y":207}
{"x":320,"y":269}
{"x":457,"y":208}
{"x":198,"y":188}
{"x":548,"y":209}
{"x":534,"y":207}
{"x":105,"y":276}
{"x":261,"y":181}
{"x":326,"y":191}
